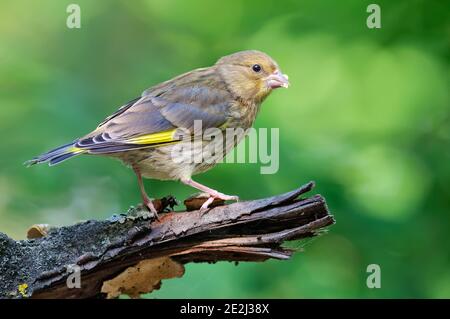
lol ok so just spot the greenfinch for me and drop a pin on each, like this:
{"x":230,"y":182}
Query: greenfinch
{"x":154,"y":133}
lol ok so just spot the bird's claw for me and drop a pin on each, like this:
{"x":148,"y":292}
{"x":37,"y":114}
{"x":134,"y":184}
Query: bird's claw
{"x":212,"y":197}
{"x":151,"y":208}
{"x":206,"y":204}
{"x":235,"y":198}
{"x":224,"y":196}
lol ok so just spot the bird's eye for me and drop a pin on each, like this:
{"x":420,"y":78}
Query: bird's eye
{"x":256,"y":68}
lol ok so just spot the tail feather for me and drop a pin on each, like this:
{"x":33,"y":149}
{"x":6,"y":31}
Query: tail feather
{"x":57,"y":155}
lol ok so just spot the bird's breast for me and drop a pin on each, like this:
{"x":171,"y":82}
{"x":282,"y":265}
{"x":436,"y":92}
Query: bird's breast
{"x":243,"y":114}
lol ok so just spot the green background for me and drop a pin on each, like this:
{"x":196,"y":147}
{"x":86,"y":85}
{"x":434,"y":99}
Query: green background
{"x":366,"y":117}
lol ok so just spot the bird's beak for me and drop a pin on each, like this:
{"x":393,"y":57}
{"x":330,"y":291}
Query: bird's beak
{"x":277,"y":80}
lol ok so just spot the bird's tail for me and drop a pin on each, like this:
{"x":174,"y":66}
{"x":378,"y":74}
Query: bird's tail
{"x":57,"y":155}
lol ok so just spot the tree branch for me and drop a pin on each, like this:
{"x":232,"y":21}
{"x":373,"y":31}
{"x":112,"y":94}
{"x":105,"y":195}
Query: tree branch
{"x":244,"y":231}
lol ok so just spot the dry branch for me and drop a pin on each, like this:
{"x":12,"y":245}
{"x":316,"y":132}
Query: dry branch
{"x":244,"y":231}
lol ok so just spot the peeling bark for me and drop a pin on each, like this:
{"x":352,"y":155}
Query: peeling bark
{"x":244,"y":231}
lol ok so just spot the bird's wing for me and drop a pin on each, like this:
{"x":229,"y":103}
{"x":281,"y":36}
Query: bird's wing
{"x":121,"y":110}
{"x":156,"y":117}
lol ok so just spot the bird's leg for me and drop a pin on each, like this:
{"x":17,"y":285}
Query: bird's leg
{"x":212,"y":192}
{"x":146,"y":200}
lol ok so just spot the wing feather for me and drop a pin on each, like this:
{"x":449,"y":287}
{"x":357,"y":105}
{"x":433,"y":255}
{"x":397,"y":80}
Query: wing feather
{"x":154,"y":118}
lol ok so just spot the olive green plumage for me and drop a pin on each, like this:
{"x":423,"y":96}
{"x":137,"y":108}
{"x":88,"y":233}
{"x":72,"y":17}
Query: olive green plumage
{"x":144,"y":132}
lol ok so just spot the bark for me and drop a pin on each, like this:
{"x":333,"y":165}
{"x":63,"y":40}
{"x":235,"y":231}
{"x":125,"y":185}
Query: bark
{"x":244,"y":231}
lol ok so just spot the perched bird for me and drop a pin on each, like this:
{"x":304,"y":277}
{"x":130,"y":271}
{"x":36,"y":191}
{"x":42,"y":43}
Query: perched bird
{"x":154,"y":134}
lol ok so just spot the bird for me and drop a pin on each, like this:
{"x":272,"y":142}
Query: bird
{"x":159,"y":133}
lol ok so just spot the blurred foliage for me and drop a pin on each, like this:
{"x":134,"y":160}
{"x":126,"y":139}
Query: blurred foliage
{"x":366,"y":117}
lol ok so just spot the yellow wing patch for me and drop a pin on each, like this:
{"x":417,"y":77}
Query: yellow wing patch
{"x":155,"y":138}
{"x":75,"y":150}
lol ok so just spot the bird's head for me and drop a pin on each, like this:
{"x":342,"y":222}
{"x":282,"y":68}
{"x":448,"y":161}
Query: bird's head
{"x":251,"y":75}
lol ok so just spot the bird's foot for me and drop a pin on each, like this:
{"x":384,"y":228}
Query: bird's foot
{"x":216,"y":195}
{"x":225,"y":197}
{"x":149,"y":204}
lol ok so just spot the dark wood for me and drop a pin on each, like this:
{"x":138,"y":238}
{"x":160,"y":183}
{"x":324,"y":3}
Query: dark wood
{"x":244,"y":231}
